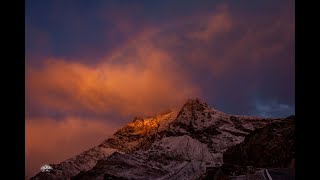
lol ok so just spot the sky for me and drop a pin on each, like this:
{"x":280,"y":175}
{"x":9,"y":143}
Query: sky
{"x":91,"y":66}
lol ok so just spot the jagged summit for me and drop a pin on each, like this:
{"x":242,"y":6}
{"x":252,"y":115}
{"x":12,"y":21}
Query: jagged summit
{"x":177,"y":144}
{"x":194,"y":101}
{"x":197,"y":104}
{"x":194,"y":104}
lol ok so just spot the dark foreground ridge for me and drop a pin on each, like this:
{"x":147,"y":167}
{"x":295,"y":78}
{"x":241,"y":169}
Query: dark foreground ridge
{"x":270,"y":149}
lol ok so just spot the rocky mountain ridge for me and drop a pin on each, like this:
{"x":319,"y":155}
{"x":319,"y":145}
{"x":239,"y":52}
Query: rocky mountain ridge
{"x":175,"y":145}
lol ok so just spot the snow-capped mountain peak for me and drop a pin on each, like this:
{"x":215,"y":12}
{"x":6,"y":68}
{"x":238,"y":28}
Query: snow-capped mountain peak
{"x":172,"y":145}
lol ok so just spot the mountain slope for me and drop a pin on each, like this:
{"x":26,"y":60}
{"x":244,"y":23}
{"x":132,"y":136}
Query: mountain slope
{"x":269,"y":149}
{"x":271,"y":146}
{"x":137,"y":134}
{"x":174,"y":145}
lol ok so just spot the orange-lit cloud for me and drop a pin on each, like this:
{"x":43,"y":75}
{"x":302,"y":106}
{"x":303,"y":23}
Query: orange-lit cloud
{"x":143,"y":75}
{"x":50,"y":141}
{"x":146,"y":81}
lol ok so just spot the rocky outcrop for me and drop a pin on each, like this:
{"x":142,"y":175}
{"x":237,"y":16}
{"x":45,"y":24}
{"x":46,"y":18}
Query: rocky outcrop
{"x":266,"y":153}
{"x":271,"y":146}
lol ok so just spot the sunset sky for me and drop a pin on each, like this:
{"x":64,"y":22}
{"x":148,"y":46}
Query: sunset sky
{"x":91,"y":66}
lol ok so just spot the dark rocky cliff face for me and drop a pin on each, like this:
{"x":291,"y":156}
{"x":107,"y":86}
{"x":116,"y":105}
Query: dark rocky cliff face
{"x":266,"y":153}
{"x":271,"y":146}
